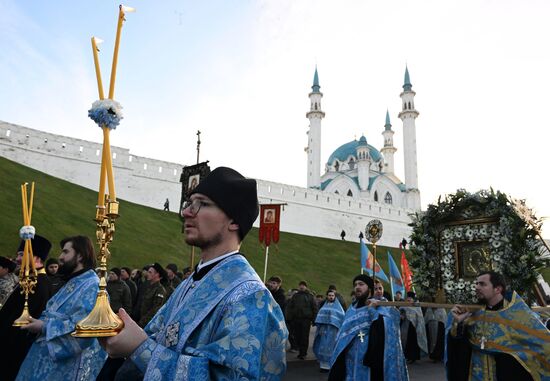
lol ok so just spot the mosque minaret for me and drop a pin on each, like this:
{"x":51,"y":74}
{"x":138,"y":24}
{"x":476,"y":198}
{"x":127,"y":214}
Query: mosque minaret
{"x":315,"y":115}
{"x":357,"y":169}
{"x":408,"y":115}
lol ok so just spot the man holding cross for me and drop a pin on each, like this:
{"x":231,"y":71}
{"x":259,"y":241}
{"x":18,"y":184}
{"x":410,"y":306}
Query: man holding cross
{"x":368,"y":346}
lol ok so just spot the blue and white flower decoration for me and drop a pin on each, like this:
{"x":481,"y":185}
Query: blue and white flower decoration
{"x":27,"y":232}
{"x":106,"y":113}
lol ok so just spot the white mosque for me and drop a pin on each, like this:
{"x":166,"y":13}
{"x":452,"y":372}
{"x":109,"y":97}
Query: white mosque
{"x":359,"y":170}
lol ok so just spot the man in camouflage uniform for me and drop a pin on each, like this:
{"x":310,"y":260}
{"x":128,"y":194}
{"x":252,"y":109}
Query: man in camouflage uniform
{"x":119,"y":292}
{"x":155,"y":294}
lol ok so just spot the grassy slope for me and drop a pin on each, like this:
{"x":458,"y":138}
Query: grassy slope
{"x":146,"y":235}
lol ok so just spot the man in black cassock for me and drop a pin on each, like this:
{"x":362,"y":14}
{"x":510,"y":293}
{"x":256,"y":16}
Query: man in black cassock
{"x":15,"y":341}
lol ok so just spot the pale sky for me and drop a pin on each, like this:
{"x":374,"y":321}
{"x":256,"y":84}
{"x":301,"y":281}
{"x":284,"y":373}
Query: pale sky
{"x":240,"y":72}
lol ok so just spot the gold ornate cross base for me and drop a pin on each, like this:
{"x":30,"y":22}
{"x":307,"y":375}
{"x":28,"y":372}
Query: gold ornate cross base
{"x":102,"y":321}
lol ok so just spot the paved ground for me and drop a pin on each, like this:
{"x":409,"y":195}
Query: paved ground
{"x":308,"y":369}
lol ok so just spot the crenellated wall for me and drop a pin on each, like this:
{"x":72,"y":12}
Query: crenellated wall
{"x":149,"y":182}
{"x":138,"y":179}
{"x":317,"y":213}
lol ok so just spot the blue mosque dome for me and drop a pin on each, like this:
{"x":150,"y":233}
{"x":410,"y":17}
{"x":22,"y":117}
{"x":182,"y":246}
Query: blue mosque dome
{"x":343,"y":152}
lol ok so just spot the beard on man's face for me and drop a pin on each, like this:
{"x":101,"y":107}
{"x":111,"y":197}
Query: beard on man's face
{"x":67,"y":268}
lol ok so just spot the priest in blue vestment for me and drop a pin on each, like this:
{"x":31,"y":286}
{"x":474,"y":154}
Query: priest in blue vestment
{"x":56,"y":355}
{"x":328,"y":322}
{"x":221,"y":323}
{"x":368,"y":346}
{"x":504,"y":341}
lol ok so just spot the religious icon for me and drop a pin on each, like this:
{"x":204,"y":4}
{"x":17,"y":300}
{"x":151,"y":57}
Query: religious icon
{"x":374,"y":230}
{"x":269,"y":216}
{"x":474,"y":257}
{"x":193,"y":182}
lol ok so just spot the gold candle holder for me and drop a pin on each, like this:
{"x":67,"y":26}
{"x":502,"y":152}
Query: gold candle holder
{"x":28,"y":276}
{"x":102,"y":321}
{"x":27,"y":285}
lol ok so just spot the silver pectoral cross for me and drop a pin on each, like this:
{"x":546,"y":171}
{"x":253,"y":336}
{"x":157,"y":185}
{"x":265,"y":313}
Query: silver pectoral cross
{"x":361,"y":336}
{"x":483,"y":341}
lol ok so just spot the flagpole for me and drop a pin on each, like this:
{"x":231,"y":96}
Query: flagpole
{"x":391,"y":287}
{"x":374,"y":263}
{"x":266,"y":258}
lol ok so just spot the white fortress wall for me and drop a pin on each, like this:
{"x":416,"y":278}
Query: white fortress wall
{"x":137,"y":179}
{"x":316,"y":213}
{"x":149,"y":182}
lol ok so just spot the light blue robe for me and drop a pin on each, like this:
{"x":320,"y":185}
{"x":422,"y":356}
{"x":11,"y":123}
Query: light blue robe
{"x":348,"y":343}
{"x":328,"y":321}
{"x":56,"y":355}
{"x":414,"y":315}
{"x":225,"y":326}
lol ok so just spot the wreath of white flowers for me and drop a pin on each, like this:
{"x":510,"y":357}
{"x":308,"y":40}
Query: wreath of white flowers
{"x":512,"y":233}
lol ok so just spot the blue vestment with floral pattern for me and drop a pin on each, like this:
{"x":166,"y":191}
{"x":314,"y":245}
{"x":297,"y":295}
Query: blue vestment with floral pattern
{"x":56,"y":355}
{"x":353,"y":342}
{"x":328,"y":321}
{"x":225,"y":326}
{"x":514,"y":330}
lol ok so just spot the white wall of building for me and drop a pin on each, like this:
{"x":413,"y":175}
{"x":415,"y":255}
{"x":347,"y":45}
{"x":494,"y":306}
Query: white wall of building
{"x":149,"y":182}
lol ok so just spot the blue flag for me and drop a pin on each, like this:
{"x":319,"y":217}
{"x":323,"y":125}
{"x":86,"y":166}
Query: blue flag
{"x":364,"y":253}
{"x":395,"y":276}
{"x":367,"y":260}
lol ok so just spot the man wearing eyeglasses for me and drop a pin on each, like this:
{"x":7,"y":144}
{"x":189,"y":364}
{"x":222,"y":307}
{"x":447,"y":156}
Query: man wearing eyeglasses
{"x":222,"y":322}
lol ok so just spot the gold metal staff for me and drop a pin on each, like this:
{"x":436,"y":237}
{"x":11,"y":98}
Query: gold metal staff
{"x":102,"y":321}
{"x":28,"y":275}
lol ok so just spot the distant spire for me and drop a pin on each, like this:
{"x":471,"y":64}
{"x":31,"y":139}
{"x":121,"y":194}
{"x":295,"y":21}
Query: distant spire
{"x":388,"y":124}
{"x":407,"y":86}
{"x":315,"y":86}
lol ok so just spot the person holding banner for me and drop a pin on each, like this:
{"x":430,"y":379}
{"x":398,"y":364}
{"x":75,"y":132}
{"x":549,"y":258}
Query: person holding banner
{"x":222,"y":322}
{"x":368,"y":345}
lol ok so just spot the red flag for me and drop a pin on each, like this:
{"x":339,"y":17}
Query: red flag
{"x":406,"y":272}
{"x":269,"y":223}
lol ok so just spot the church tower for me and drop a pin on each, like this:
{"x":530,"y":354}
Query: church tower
{"x":363,"y":164}
{"x":408,"y":115}
{"x":313,"y":149}
{"x":388,"y":150}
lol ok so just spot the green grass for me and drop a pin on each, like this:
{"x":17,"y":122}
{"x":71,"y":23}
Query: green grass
{"x":145,"y":235}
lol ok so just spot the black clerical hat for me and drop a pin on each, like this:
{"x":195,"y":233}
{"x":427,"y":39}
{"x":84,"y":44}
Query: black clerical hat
{"x":234,"y":194}
{"x":40,"y":247}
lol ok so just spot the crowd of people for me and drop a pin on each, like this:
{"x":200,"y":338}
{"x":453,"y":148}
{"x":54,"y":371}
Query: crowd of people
{"x":220,"y":321}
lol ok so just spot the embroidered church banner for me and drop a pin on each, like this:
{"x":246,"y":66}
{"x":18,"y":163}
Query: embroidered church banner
{"x":269,"y":223}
